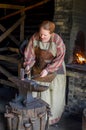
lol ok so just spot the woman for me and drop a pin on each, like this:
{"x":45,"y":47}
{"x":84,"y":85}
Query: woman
{"x":44,"y":58}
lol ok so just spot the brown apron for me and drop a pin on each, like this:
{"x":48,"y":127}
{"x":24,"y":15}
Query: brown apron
{"x":43,"y":58}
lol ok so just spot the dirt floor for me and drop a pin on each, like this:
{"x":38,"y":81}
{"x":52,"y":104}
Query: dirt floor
{"x":68,"y":122}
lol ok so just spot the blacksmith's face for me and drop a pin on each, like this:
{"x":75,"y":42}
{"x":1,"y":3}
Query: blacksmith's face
{"x":44,"y":35}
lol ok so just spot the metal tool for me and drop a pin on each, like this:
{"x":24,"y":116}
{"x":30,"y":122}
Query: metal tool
{"x":35,"y":76}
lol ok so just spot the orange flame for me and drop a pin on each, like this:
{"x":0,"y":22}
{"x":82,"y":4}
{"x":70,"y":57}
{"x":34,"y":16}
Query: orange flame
{"x":80,"y":59}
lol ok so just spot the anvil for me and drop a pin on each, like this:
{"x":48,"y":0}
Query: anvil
{"x":26,"y":87}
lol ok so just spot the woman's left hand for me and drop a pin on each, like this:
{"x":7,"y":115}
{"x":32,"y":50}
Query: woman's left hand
{"x":44,"y":73}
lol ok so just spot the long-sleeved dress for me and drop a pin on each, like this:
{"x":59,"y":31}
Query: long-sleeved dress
{"x":49,"y":55}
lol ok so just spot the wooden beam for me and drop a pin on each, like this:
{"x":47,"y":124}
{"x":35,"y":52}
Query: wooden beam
{"x":9,"y":59}
{"x":9,"y":49}
{"x":74,"y":74}
{"x":3,"y":36}
{"x":13,"y":49}
{"x":10,"y":6}
{"x":22,"y":28}
{"x":25,"y":9}
{"x":3,"y":49}
{"x":2,"y":81}
{"x":3,"y":29}
{"x":5,"y":72}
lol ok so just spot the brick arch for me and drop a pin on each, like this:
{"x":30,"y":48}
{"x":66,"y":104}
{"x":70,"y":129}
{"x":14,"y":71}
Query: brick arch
{"x":80,"y":40}
{"x":79,"y":45}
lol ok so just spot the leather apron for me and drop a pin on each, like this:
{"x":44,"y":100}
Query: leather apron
{"x":43,"y":58}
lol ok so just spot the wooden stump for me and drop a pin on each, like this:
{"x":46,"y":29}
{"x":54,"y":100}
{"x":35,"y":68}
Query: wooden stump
{"x":84,"y":120}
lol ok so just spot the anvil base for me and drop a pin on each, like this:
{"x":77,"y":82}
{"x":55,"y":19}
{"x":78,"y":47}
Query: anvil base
{"x":34,"y":116}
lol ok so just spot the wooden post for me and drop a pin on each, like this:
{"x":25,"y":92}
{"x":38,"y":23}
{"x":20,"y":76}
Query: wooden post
{"x":3,"y":36}
{"x":22,"y":28}
{"x":3,"y":29}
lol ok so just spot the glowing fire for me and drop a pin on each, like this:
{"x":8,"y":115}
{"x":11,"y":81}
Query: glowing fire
{"x":80,"y":59}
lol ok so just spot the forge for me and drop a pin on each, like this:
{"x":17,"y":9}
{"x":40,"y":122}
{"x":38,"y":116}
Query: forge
{"x":76,"y":67}
{"x":76,"y":98}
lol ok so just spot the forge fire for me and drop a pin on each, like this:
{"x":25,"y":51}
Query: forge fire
{"x":79,"y":58}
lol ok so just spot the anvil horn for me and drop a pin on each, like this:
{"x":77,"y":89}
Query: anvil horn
{"x":29,"y":85}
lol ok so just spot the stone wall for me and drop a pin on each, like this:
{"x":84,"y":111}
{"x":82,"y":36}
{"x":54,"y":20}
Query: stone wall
{"x":70,"y":18}
{"x":76,"y":101}
{"x":63,"y":20}
{"x":79,"y":24}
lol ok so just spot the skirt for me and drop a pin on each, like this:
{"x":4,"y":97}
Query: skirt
{"x":55,"y":97}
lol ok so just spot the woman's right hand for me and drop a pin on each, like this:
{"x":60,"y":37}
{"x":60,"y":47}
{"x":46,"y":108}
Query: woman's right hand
{"x":44,"y":73}
{"x":27,"y":69}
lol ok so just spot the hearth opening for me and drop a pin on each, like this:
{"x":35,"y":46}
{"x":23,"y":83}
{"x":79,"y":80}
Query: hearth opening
{"x":79,"y":56}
